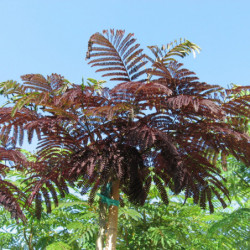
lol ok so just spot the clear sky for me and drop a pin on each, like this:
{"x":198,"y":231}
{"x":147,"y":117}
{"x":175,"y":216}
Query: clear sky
{"x":50,"y":36}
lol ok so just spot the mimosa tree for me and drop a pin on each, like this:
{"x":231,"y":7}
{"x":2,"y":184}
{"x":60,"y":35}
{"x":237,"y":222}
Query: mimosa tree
{"x":160,"y":124}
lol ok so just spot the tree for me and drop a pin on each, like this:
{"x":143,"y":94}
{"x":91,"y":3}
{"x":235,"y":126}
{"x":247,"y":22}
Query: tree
{"x":10,"y":195}
{"x":73,"y":224}
{"x":109,"y":140}
{"x":70,"y":225}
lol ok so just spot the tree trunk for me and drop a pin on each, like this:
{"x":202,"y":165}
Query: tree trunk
{"x":113,"y":218}
{"x":102,"y":225}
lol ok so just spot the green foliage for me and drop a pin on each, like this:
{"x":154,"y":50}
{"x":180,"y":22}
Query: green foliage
{"x":163,"y":227}
{"x":154,"y":225}
{"x":180,"y":49}
{"x":59,"y":246}
{"x":184,"y":227}
{"x":96,"y":84}
{"x":238,"y":176}
{"x":233,"y":230}
{"x":74,"y":224}
{"x":57,"y":229}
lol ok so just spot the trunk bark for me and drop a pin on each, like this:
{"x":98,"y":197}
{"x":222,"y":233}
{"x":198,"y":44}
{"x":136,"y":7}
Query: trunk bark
{"x":113,"y":218}
{"x":102,"y":225}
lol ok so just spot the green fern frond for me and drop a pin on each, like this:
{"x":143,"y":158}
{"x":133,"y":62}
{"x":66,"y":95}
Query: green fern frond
{"x":181,"y":49}
{"x":129,"y":213}
{"x":11,"y":88}
{"x":233,"y":230}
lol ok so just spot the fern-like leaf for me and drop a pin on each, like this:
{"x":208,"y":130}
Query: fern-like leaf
{"x":116,"y":55}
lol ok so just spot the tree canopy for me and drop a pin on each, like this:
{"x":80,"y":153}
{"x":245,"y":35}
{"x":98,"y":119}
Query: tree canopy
{"x":159,"y":125}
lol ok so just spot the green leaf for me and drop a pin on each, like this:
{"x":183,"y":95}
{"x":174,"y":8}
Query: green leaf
{"x":58,"y":246}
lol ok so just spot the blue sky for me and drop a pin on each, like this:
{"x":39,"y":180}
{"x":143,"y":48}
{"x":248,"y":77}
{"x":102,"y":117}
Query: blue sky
{"x":51,"y":36}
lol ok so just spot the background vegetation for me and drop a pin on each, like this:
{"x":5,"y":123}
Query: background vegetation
{"x":74,"y":224}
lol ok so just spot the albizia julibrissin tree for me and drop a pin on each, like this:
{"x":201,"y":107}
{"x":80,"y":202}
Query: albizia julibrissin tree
{"x":10,"y":195}
{"x":159,"y":124}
